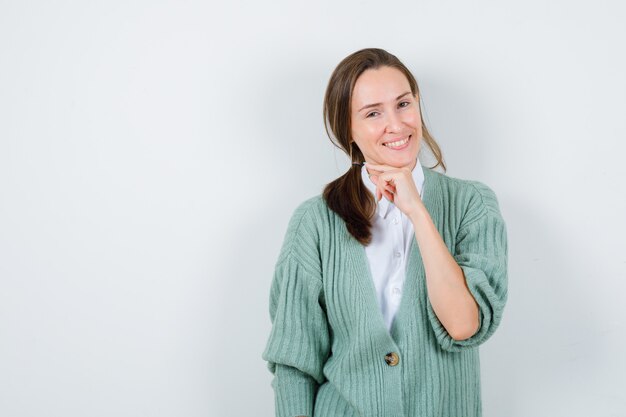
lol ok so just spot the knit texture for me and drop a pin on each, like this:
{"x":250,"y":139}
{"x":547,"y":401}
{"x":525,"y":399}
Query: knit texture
{"x":328,"y":340}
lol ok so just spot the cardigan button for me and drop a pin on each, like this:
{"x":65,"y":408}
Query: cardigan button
{"x":392,"y":358}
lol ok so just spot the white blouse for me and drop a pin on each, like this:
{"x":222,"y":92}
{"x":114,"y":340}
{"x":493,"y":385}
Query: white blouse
{"x":392,"y":232}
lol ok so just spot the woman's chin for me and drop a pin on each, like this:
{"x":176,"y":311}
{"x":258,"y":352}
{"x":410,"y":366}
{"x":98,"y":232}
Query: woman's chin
{"x":401,"y":160}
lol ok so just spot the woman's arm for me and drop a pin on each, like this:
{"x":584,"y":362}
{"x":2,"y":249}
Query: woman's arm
{"x":448,"y":292}
{"x":299,"y":343}
{"x":467,"y":290}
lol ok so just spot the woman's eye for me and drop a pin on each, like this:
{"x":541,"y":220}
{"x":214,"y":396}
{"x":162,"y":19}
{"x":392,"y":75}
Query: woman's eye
{"x":405,"y":102}
{"x":369,"y":114}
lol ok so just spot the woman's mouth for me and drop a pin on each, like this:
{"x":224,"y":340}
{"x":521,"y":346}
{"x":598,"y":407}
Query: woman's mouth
{"x":400,"y":144}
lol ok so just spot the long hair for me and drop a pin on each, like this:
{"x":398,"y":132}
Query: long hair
{"x":347,"y":195}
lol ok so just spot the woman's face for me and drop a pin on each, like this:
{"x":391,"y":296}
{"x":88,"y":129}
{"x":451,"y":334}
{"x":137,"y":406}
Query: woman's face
{"x":384,"y":111}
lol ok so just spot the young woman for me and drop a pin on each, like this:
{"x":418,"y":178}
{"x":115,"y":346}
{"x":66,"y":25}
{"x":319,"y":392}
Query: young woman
{"x":388,"y":281}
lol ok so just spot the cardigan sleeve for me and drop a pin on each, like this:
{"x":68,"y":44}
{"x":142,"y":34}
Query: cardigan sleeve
{"x":299,"y":344}
{"x":481,"y":250}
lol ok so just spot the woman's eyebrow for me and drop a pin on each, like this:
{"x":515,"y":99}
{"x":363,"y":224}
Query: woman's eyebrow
{"x":378,"y":104}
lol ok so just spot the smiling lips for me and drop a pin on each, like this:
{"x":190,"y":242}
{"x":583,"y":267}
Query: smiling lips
{"x":400,"y":144}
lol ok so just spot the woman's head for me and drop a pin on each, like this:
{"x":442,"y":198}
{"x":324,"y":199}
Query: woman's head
{"x":385,"y":120}
{"x":373,"y":99}
{"x":377,"y":80}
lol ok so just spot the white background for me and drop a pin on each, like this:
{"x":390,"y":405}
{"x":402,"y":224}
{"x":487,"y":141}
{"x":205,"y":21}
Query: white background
{"x":151,"y":154}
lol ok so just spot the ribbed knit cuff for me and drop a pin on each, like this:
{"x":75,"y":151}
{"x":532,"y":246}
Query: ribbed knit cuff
{"x":294,"y":392}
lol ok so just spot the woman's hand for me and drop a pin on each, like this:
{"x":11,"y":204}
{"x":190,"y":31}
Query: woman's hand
{"x":397,"y":185}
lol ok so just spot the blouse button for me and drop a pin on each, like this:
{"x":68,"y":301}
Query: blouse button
{"x":392,"y":359}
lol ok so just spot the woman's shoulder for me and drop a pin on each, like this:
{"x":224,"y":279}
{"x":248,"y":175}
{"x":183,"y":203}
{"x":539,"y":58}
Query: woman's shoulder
{"x":304,"y":230}
{"x":473,"y":196}
{"x":314,"y":202}
{"x":309,"y":211}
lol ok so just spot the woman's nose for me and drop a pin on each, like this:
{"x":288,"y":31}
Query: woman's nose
{"x":394,"y":124}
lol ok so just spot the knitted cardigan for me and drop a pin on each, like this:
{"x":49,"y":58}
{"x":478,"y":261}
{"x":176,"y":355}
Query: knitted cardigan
{"x":329,"y":348}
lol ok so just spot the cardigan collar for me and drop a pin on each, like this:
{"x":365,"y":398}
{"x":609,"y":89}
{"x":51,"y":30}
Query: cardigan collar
{"x":384,"y":206}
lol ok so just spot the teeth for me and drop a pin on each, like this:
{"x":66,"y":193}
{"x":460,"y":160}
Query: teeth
{"x":396,"y":144}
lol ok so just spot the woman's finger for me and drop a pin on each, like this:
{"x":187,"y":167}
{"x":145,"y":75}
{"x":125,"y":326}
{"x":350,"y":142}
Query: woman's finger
{"x":391,"y":192}
{"x":379,"y":167}
{"x":383,"y":187}
{"x":386,"y":189}
{"x":379,"y":190}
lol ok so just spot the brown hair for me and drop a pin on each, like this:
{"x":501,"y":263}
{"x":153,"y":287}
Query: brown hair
{"x":347,"y":195}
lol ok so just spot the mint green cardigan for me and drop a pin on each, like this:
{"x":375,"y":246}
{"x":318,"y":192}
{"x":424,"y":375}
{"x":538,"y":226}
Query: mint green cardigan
{"x":329,"y":347}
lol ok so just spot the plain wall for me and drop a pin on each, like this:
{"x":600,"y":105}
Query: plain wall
{"x":152,"y":152}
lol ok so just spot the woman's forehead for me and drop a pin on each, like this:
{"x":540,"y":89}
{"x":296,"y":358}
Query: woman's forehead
{"x":380,"y":85}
